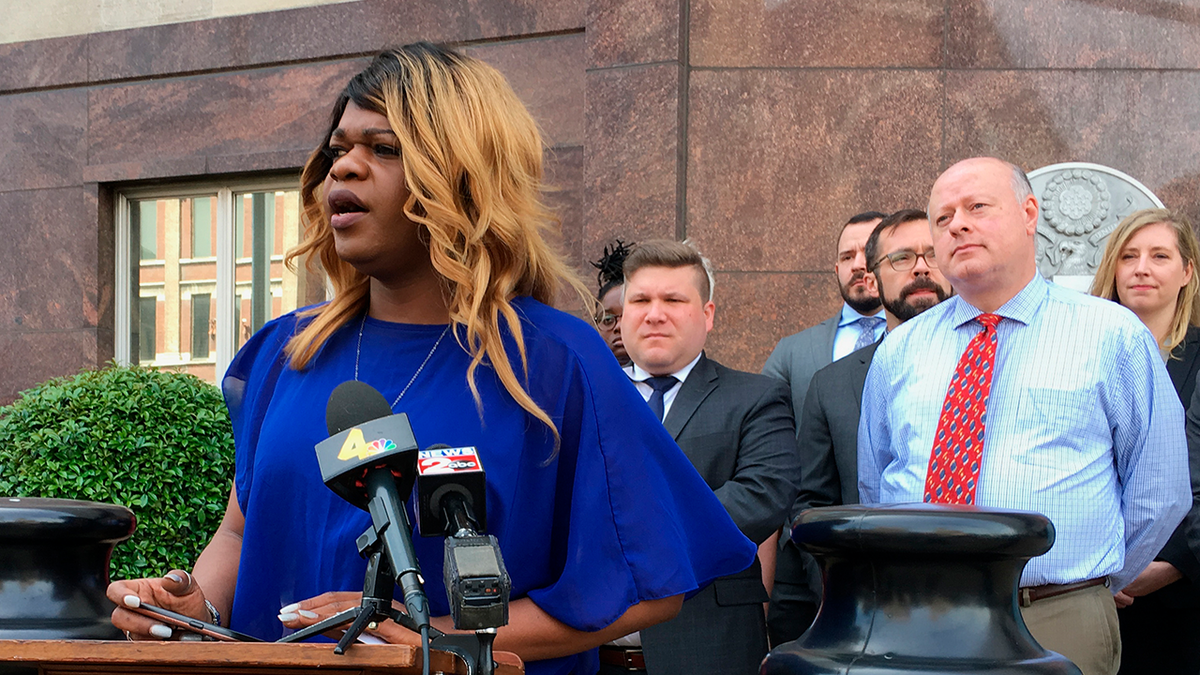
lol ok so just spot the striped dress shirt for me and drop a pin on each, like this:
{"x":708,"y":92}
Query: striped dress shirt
{"x":1082,"y":425}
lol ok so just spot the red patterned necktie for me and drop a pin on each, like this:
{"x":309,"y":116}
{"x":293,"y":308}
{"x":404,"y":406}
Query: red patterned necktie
{"x":957,"y":453}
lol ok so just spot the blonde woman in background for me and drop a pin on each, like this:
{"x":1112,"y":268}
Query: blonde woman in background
{"x":1150,"y":266}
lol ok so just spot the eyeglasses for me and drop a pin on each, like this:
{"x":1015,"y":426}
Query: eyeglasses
{"x":902,"y":261}
{"x":608,"y":320}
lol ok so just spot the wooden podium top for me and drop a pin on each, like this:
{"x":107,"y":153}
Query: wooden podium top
{"x":76,"y":657}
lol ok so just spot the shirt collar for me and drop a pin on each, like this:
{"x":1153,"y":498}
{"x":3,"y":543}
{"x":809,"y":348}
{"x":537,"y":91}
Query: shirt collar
{"x":638,"y":375}
{"x":850,"y":315}
{"x":1022,"y":307}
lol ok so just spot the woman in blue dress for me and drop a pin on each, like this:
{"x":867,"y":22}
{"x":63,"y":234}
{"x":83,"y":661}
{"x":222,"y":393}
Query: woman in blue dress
{"x":422,"y":205}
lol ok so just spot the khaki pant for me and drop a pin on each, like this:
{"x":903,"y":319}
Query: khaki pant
{"x":1081,"y":626}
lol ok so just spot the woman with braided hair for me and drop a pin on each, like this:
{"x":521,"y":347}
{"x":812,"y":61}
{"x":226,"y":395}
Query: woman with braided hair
{"x":422,"y":205}
{"x":611,"y":278}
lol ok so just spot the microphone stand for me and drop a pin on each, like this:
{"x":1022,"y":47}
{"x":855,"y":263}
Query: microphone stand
{"x":378,"y":585}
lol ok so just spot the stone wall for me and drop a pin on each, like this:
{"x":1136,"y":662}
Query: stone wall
{"x":754,"y":127}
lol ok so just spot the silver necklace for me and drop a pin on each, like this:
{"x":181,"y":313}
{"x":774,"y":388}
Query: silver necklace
{"x":358,"y":352}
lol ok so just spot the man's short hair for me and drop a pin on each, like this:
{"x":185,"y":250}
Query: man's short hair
{"x":890,"y":222}
{"x":858,"y":218}
{"x":1020,"y":182}
{"x":671,"y":254}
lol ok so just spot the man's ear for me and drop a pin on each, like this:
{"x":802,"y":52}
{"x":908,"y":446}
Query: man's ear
{"x":1030,"y":209}
{"x":709,"y":311}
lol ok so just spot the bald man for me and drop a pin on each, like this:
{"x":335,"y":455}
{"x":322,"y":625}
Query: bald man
{"x":1023,"y":395}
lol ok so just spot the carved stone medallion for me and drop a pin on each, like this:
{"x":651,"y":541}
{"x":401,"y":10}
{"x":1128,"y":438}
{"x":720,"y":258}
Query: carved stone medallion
{"x":1081,"y":204}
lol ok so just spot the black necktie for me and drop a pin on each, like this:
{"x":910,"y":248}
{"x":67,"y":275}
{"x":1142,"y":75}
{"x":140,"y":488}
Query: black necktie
{"x":661,"y":384}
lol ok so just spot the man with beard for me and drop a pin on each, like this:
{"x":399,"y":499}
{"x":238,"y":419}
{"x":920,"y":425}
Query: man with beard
{"x":900,"y":254}
{"x":794,"y":360}
{"x":859,"y":323}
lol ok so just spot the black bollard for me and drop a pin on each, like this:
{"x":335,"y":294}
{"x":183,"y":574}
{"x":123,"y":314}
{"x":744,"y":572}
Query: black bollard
{"x":919,"y":588}
{"x":54,"y":556}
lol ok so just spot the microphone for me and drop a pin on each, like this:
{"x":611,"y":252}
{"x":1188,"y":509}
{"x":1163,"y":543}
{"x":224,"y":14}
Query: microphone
{"x":451,"y":491}
{"x":452,"y":494}
{"x":370,"y":461}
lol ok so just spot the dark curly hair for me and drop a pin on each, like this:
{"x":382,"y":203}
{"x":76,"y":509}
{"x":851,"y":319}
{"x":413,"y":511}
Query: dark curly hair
{"x":611,"y":267}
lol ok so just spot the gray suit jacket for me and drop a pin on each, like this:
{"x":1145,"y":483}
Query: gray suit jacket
{"x":797,"y":357}
{"x":737,"y":430}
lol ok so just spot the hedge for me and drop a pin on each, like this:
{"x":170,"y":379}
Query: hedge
{"x":157,"y":442}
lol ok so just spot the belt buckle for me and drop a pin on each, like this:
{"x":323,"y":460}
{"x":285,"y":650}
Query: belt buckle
{"x":627,"y":654}
{"x":1024,"y":598}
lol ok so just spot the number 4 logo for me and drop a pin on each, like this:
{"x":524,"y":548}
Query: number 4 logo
{"x":355,"y":447}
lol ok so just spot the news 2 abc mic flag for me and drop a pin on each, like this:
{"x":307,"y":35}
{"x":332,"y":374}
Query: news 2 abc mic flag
{"x":451,"y":495}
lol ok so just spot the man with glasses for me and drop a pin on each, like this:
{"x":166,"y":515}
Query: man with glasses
{"x":858,"y":323}
{"x":900,"y":255}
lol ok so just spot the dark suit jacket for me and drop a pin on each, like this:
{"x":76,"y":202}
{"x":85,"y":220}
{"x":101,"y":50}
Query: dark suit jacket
{"x":737,"y":430}
{"x":828,"y":435}
{"x":1183,"y":548}
{"x":828,"y":443}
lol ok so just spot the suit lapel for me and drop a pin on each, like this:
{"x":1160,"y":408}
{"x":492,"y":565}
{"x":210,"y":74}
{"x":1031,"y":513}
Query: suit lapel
{"x":1184,"y":366}
{"x":858,"y":377}
{"x":820,"y":352}
{"x":700,"y":383}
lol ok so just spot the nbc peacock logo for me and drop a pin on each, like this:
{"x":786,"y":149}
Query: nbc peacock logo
{"x":357,"y":448}
{"x":381,"y":445}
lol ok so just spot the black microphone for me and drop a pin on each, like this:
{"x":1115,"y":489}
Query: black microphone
{"x":451,"y":491}
{"x":452,"y":498}
{"x":370,"y":461}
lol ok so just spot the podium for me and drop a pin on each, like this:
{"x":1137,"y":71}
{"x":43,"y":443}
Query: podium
{"x":85,"y":657}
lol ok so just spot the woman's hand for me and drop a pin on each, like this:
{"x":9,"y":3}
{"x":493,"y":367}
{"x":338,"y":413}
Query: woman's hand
{"x":176,"y":591}
{"x":305,"y":613}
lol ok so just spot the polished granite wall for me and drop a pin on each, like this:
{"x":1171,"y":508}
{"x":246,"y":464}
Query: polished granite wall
{"x":752,"y":127}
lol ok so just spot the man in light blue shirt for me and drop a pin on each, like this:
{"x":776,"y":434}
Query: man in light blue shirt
{"x":1082,"y":423}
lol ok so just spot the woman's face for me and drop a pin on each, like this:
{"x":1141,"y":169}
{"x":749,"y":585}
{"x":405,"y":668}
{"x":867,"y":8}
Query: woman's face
{"x":610,"y":323}
{"x":365,"y":195}
{"x":1150,"y":271}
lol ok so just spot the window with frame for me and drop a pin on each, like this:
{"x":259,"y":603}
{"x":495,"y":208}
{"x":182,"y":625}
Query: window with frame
{"x":200,"y":269}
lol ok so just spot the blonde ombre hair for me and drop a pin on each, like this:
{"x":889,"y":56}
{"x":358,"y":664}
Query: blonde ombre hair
{"x":472,"y":159}
{"x":1187,"y":304}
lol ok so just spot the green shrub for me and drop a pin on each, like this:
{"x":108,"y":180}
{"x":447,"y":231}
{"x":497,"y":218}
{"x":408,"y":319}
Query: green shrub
{"x":157,"y":442}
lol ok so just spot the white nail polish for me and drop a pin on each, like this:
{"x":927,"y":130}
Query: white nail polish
{"x":133,"y":601}
{"x":290,"y":608}
{"x":288,"y":617}
{"x":175,"y":578}
{"x":159,"y":630}
{"x":307,"y":614}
